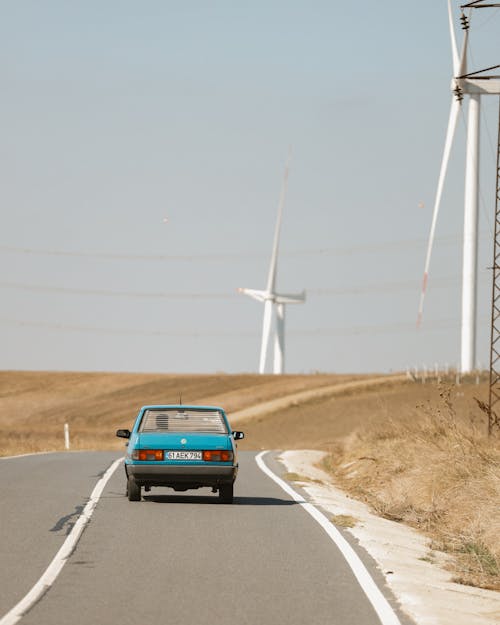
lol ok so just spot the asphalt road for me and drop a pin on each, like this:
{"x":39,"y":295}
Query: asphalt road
{"x":180,"y":558}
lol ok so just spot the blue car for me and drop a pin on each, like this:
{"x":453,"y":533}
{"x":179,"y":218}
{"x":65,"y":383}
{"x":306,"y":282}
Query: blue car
{"x":181,"y":447}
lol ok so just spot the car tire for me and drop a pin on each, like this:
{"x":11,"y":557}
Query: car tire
{"x":226,"y":493}
{"x":133,"y":490}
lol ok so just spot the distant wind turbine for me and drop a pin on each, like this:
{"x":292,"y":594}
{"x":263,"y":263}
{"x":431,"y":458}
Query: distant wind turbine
{"x":473,"y":85}
{"x":272,"y":299}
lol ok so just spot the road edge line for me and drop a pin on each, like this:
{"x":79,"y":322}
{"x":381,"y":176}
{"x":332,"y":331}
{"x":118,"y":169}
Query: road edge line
{"x":382,"y":607}
{"x":33,"y":453}
{"x":51,"y":573}
{"x":53,"y":451}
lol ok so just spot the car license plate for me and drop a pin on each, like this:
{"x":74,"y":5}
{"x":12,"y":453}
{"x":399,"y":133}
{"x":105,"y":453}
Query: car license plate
{"x":183,"y":455}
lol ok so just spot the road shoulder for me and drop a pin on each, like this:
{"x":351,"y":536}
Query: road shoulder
{"x":423,"y":588}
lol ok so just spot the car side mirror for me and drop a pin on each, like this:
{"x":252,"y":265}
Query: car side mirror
{"x":123,"y":433}
{"x":238,"y":435}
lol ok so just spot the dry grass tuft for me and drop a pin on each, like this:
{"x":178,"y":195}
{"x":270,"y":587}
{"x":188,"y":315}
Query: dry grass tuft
{"x":438,"y":475}
{"x":296,"y":477}
{"x":343,"y":520}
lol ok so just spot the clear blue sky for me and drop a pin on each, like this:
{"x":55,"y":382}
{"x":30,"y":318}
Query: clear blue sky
{"x":118,"y":115}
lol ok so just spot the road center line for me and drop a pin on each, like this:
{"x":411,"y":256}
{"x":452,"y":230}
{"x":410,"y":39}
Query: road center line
{"x":61,"y":557}
{"x":380,"y":604}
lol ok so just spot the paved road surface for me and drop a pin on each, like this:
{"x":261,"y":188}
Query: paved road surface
{"x":172,"y":558}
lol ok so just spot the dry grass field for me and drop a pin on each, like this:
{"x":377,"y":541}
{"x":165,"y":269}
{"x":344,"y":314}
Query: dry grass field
{"x":436,"y":471}
{"x":417,"y":453}
{"x":35,"y":405}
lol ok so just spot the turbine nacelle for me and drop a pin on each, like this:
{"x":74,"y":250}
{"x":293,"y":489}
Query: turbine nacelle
{"x":480,"y":86}
{"x":275,"y":298}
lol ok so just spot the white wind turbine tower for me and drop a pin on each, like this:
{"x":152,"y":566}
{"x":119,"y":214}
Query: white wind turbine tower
{"x":275,"y":300}
{"x":474,"y":86}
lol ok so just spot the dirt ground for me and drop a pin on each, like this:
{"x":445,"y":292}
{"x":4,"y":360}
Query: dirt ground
{"x":35,"y":405}
{"x":319,"y":424}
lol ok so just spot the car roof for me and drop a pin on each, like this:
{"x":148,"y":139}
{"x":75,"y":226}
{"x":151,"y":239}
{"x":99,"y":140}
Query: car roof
{"x":180,"y":407}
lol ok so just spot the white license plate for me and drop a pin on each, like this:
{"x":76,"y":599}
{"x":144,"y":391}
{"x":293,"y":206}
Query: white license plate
{"x":183,"y":455}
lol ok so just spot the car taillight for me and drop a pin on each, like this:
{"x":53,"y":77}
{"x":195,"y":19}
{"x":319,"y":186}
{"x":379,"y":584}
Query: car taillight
{"x":148,"y":454}
{"x":217,"y":455}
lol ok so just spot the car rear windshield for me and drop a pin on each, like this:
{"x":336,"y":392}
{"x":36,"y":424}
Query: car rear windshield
{"x":183,"y":421}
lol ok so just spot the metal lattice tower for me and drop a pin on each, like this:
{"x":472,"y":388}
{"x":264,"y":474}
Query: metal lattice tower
{"x":494,"y":395}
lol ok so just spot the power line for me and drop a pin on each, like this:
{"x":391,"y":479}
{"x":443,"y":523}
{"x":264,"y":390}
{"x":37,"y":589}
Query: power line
{"x":393,"y":328}
{"x":218,"y":257}
{"x":121,"y":331}
{"x":110,"y":293}
{"x":118,"y":256}
{"x":387,"y":287}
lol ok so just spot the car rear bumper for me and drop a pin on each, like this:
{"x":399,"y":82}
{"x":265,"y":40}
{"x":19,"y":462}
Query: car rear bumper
{"x":188,"y":476}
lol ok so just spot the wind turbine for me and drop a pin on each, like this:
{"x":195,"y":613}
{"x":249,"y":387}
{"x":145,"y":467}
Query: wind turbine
{"x":272,"y":299}
{"x":474,"y":86}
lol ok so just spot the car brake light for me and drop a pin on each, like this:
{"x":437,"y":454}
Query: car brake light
{"x":216,"y":455}
{"x":148,"y":454}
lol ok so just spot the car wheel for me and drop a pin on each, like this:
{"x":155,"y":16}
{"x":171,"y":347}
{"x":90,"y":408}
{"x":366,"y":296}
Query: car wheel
{"x":133,"y":490}
{"x":226,"y":493}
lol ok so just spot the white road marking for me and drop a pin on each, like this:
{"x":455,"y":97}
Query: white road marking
{"x":61,"y":557}
{"x":380,"y":604}
{"x":44,"y":453}
{"x":35,"y":453}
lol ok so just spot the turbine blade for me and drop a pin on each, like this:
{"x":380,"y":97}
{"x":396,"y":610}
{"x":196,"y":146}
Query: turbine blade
{"x":266,"y":330}
{"x":454,"y":49}
{"x":271,"y":280}
{"x":290,"y":298}
{"x":450,"y":133}
{"x":260,"y":296}
{"x":462,"y":69}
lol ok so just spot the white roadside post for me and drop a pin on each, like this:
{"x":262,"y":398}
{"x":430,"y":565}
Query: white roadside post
{"x":66,"y":436}
{"x":436,"y":373}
